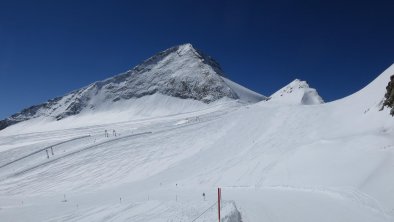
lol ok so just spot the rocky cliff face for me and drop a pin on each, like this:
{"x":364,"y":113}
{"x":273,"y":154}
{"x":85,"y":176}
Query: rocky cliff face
{"x":181,"y":71}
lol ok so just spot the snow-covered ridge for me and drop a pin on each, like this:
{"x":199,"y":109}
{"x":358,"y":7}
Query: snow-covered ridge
{"x":182,"y":72}
{"x":297,"y":92}
{"x":243,"y":93}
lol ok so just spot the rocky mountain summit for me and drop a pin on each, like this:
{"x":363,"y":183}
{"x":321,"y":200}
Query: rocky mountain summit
{"x":297,"y":92}
{"x":181,"y":71}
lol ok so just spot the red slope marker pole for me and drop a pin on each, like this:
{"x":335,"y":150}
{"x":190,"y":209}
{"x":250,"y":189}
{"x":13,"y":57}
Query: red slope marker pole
{"x":219,"y":198}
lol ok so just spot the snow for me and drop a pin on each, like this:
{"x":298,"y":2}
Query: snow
{"x":180,"y":72}
{"x":276,"y":160}
{"x":297,"y":92}
{"x":244,"y":94}
{"x":147,"y":107}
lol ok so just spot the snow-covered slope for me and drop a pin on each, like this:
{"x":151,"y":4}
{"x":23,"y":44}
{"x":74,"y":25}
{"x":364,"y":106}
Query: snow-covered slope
{"x":144,"y":108}
{"x":297,"y":92}
{"x":274,"y":162}
{"x":181,"y":72}
{"x":244,"y":94}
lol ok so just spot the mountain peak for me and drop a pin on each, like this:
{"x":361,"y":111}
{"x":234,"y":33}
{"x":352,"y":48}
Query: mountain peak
{"x":188,"y":50}
{"x":297,"y":92}
{"x":180,"y":53}
{"x":297,"y":83}
{"x":184,"y":48}
{"x":182,"y":72}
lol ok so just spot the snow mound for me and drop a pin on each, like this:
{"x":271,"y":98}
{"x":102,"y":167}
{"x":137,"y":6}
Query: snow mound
{"x":297,"y":92}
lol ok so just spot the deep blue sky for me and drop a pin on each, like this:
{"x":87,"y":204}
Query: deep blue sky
{"x":48,"y":48}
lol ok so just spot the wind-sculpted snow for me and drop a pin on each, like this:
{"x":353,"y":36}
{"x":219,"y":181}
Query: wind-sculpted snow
{"x":180,"y":72}
{"x":297,"y":92}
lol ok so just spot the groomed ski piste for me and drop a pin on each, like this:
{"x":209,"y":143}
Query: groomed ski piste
{"x":275,"y":160}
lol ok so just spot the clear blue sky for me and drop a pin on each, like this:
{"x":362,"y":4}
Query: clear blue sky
{"x":48,"y":48}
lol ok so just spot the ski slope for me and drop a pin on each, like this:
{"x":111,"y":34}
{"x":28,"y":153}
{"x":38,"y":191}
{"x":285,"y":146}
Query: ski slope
{"x":274,"y":161}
